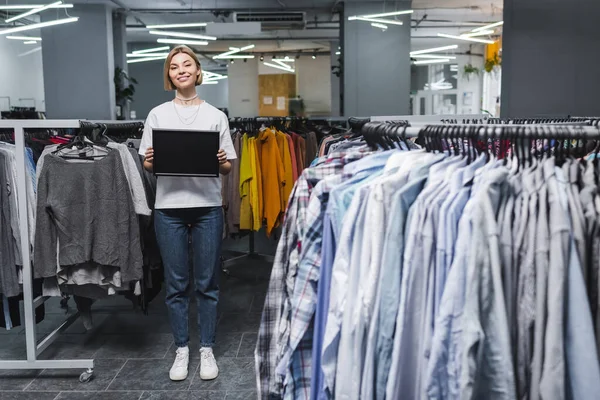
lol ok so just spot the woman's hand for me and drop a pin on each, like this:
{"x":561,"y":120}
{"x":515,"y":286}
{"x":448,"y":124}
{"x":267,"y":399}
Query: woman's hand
{"x":149,"y":159}
{"x":224,"y":164}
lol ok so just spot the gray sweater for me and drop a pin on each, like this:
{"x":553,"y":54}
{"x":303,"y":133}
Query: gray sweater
{"x":88,"y":208}
{"x":9,"y":280}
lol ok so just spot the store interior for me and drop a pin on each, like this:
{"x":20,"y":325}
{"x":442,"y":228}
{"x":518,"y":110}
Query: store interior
{"x":301,"y":65}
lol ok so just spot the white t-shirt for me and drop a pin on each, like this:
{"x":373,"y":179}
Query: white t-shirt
{"x":188,"y":192}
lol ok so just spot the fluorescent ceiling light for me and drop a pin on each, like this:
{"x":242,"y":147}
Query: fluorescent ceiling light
{"x":234,"y":50}
{"x":486,"y":27}
{"x":434,"y":50}
{"x":280,"y":62}
{"x":378,"y":20}
{"x":479,"y":33}
{"x":30,"y":52}
{"x":432,"y":61}
{"x":30,"y":42}
{"x":193,"y":25}
{"x":33,"y":11}
{"x":389,"y":14}
{"x":232,"y":57}
{"x":152,"y":50}
{"x":378,"y":25}
{"x":337,"y":53}
{"x":208,"y":73}
{"x":144,"y":59}
{"x":210,"y":82}
{"x":433,"y":56}
{"x":39,"y":39}
{"x":278,"y":66}
{"x":31,"y":6}
{"x":216,"y":78}
{"x":469,"y":39}
{"x":39,"y":25}
{"x":182,"y":41}
{"x":182,"y":35}
{"x":134,"y":55}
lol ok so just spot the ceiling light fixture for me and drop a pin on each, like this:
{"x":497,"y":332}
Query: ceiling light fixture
{"x":31,"y":6}
{"x":486,"y":27}
{"x":337,"y":53}
{"x":434,"y":50}
{"x":234,"y":56}
{"x":469,"y":39}
{"x":278,"y":66}
{"x":182,"y":41}
{"x":152,"y":50}
{"x":283,"y":64}
{"x":233,"y":50}
{"x":432,"y":61}
{"x":39,"y":25}
{"x":262,"y":58}
{"x":378,"y":25}
{"x":144,"y":59}
{"x":182,"y":35}
{"x":210,"y":82}
{"x":479,"y":33}
{"x":433,"y":56}
{"x":314,"y":56}
{"x":135,"y":55}
{"x":30,"y":42}
{"x":33,"y":11}
{"x":38,"y":39}
{"x":388,"y":14}
{"x":193,"y":25}
{"x":378,"y":20}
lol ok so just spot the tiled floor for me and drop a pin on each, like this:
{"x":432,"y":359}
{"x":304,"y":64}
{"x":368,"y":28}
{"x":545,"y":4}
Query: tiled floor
{"x":133,"y":352}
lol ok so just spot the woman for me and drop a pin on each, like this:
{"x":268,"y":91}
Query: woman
{"x":189,"y":204}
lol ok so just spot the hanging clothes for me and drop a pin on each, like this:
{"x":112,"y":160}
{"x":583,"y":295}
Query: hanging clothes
{"x":273,"y":178}
{"x":429,"y":275}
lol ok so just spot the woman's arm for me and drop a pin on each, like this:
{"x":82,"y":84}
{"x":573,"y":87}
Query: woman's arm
{"x":224,"y":164}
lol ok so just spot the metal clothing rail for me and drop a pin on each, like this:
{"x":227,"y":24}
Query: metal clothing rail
{"x":34,"y":349}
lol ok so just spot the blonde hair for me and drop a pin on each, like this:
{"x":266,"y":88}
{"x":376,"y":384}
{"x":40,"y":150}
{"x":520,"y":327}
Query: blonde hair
{"x":178,"y":50}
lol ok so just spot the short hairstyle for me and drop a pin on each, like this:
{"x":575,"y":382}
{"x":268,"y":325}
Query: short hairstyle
{"x":177,"y":50}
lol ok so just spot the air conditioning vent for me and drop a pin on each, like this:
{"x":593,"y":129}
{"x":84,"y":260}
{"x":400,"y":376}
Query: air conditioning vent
{"x":294,"y":18}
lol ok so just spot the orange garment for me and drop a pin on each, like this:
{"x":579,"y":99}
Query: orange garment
{"x":246,"y":175}
{"x":273,"y":178}
{"x":286,"y":158}
{"x":293,"y":156}
{"x":300,"y":148}
{"x":255,"y":187}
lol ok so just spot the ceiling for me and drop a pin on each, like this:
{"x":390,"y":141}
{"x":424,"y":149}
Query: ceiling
{"x":321,"y":27}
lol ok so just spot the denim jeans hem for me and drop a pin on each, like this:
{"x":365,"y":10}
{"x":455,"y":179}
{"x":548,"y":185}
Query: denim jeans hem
{"x":185,"y":344}
{"x":211,"y":345}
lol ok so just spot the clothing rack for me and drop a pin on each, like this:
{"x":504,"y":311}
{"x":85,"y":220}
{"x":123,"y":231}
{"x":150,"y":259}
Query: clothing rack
{"x":34,"y":349}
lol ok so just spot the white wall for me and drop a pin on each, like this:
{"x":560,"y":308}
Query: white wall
{"x":313,"y":84}
{"x":216,"y":95}
{"x":243,"y":88}
{"x":473,"y":85}
{"x":21,"y":77}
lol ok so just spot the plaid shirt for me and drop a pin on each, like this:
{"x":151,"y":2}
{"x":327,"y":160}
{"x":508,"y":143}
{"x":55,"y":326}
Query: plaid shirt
{"x":275,"y":317}
{"x":275,"y":328}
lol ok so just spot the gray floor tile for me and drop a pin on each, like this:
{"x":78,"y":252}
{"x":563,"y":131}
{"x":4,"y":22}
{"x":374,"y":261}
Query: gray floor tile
{"x":150,"y":375}
{"x":53,"y":321}
{"x":14,"y":331}
{"x":132,"y":323}
{"x":235,"y":374}
{"x":73,"y":346}
{"x":99,"y":396}
{"x":67,"y":380}
{"x":239,"y":323}
{"x":248,"y":345}
{"x":235,"y":302}
{"x":28,"y":395}
{"x":198,"y":395}
{"x":135,"y":346}
{"x":258,"y":303}
{"x":17,"y":379}
{"x":12,"y":347}
{"x":243,"y":395}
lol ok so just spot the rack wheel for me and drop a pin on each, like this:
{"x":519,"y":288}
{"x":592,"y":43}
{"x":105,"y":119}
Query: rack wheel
{"x":86,"y":376}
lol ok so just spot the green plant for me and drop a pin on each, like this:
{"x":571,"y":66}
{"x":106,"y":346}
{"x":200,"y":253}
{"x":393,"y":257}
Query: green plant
{"x":124,"y":86}
{"x":493,"y":62}
{"x":469,"y":70}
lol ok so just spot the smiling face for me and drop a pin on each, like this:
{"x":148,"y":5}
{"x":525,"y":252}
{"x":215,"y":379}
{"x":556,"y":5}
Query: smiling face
{"x":183,"y":71}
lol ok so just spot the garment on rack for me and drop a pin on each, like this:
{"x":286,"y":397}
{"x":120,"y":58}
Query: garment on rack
{"x":86,"y":220}
{"x":428,"y":275}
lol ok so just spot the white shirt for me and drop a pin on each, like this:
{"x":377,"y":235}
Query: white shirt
{"x":188,"y":192}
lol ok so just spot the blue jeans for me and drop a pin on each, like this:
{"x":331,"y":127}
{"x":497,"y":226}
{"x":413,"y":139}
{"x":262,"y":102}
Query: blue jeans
{"x":172,"y":234}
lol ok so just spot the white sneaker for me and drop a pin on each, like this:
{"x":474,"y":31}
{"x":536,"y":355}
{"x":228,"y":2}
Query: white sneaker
{"x":208,"y":364}
{"x":179,"y":370}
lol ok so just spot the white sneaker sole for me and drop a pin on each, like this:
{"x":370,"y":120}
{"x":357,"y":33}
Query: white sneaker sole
{"x":209,"y":377}
{"x":177,"y":378}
